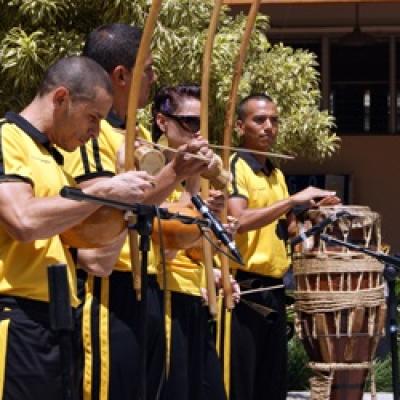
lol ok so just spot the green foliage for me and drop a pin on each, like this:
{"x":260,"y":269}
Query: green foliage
{"x":39,"y":12}
{"x":298,"y":372}
{"x":383,"y":375}
{"x":34,"y":33}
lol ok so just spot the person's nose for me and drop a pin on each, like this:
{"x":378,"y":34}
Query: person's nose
{"x":268,"y":123}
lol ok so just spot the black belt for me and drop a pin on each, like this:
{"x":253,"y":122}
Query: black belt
{"x":35,"y":309}
{"x":115,"y":275}
{"x":36,"y":306}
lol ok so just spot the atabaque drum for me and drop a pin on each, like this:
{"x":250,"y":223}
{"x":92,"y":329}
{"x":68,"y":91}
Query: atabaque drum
{"x":339,"y":302}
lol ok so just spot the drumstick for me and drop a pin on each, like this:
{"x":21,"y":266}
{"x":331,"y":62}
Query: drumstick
{"x":263,"y":289}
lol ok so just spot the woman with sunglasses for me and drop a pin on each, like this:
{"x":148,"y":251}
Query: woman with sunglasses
{"x":193,"y":366}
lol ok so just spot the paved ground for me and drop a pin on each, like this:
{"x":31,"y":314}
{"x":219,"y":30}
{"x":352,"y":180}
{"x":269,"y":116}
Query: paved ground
{"x":306,"y":396}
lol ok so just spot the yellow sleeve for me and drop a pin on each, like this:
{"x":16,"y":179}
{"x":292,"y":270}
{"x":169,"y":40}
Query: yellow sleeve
{"x":14,"y":157}
{"x":238,"y":186}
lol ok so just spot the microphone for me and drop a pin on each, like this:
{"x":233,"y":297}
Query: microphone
{"x":318,"y":227}
{"x":217,"y":228}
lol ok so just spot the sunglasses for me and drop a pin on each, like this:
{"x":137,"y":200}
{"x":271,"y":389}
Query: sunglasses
{"x":190,"y":123}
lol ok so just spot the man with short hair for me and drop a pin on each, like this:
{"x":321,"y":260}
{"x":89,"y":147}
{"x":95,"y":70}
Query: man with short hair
{"x":260,"y":200}
{"x":114,"y":369}
{"x":74,"y":96}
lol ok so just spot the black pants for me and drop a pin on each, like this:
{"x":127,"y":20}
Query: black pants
{"x":122,"y":335}
{"x":31,"y":352}
{"x":259,"y":345}
{"x":195,"y":370}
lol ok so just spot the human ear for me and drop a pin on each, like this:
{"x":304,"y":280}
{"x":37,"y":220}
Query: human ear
{"x":240,"y":128}
{"x":61,"y":96}
{"x":162,"y":122}
{"x":119,"y":76}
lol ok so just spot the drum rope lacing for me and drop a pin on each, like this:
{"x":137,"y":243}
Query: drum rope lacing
{"x":321,"y":384}
{"x":325,"y":301}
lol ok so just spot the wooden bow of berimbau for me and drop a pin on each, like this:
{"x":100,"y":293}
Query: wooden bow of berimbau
{"x":205,"y":83}
{"x":133,"y":102}
{"x":228,"y":129}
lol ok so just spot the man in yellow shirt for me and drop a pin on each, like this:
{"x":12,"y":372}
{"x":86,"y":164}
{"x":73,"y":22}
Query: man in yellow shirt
{"x":260,"y":200}
{"x":75,"y":94}
{"x":112,"y":343}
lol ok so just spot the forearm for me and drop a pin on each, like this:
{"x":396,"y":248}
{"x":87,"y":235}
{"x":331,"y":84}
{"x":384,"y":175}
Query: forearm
{"x":36,"y":218}
{"x":101,"y":261}
{"x":256,"y":218}
{"x":165,"y":182}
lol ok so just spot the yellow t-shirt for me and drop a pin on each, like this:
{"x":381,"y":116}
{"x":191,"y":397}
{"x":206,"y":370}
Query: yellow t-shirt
{"x":25,"y":157}
{"x":263,"y":251}
{"x":184,"y":275}
{"x":98,"y":158}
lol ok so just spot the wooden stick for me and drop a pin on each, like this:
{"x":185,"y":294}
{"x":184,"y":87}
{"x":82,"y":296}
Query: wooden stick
{"x":243,"y":150}
{"x":139,"y":281}
{"x":262,"y":289}
{"x":228,"y":129}
{"x":237,"y":73}
{"x":133,"y":103}
{"x":205,"y":83}
{"x":218,"y":146}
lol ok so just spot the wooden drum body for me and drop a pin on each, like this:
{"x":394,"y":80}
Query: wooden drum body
{"x":340,"y":310}
{"x":177,"y":235}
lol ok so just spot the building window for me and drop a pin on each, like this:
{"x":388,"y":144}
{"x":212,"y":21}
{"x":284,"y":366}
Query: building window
{"x":398,"y":110}
{"x":359,"y":81}
{"x":397,"y":86}
{"x":360,"y":88}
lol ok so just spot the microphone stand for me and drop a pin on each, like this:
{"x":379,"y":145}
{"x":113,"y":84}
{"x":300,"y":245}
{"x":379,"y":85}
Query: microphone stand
{"x":144,"y":226}
{"x":391,"y":271}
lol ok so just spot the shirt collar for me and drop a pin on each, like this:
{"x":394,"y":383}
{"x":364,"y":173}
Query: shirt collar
{"x":255,"y":165}
{"x":115,"y":121}
{"x":35,"y":135}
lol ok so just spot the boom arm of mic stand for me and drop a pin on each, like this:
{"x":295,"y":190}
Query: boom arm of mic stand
{"x":78,"y":195}
{"x":384,"y":258}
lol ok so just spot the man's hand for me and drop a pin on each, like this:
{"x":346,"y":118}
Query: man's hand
{"x":232,"y":225}
{"x":218,"y":284}
{"x":308,"y":197}
{"x":129,"y":186}
{"x":216,"y":202}
{"x":214,"y":162}
{"x":186,"y":165}
{"x":329,"y":201}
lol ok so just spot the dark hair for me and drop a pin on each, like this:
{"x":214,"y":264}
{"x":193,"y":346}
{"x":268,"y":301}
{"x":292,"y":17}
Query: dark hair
{"x":80,"y":75}
{"x":167,"y":101}
{"x":112,"y":45}
{"x":241,"y":109}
